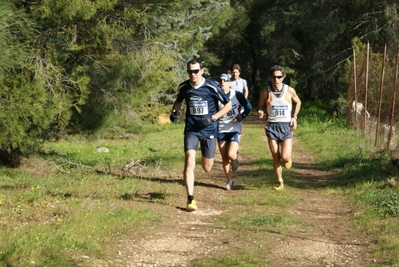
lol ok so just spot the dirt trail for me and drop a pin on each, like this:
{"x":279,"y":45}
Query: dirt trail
{"x":330,"y":240}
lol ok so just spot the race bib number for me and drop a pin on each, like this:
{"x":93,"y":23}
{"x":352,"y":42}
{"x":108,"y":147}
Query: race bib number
{"x":232,"y":113}
{"x":279,"y":111}
{"x":198,"y":107}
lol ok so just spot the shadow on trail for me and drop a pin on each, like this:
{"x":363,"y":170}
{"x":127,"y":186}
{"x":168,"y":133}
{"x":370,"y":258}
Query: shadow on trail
{"x":336,"y":174}
{"x":341,"y":171}
{"x":299,"y":237}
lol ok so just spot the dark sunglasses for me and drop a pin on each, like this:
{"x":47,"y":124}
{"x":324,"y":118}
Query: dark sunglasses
{"x":223,"y":80}
{"x":277,"y":77}
{"x":193,"y":71}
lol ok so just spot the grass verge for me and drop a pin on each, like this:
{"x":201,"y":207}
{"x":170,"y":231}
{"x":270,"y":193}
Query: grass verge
{"x":75,"y":200}
{"x":365,"y":175}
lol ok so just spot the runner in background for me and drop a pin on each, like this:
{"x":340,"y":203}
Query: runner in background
{"x":237,"y":83}
{"x":230,"y":126}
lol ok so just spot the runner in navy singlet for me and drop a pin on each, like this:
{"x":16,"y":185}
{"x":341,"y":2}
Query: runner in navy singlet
{"x":201,"y":126}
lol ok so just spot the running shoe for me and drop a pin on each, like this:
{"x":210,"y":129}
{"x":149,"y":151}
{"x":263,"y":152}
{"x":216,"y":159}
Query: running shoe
{"x":234,"y":164}
{"x":288,"y":164}
{"x":192,"y":206}
{"x":280,"y":186}
{"x":229,"y":185}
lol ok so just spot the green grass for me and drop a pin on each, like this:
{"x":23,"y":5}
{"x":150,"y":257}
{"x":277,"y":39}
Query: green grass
{"x":70,"y":200}
{"x":364,"y":175}
{"x":49,"y":220}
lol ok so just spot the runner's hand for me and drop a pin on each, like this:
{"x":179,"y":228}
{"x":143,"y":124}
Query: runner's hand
{"x":173,"y":116}
{"x":205,"y":121}
{"x":239,"y":118}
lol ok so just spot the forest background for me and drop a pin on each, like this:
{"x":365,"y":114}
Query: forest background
{"x":105,"y":67}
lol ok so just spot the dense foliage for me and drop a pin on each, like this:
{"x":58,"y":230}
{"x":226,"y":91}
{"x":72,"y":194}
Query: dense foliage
{"x":311,"y":38}
{"x":107,"y":65}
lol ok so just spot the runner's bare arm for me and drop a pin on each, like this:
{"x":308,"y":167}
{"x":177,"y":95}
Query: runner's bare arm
{"x":262,"y":102}
{"x":296,"y":100}
{"x":223,"y":111}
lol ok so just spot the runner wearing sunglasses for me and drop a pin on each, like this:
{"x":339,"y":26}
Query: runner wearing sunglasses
{"x":230,"y":126}
{"x":281,"y":120}
{"x":201,"y":126}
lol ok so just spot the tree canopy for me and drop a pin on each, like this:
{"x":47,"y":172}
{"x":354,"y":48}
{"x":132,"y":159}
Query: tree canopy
{"x":84,"y":66}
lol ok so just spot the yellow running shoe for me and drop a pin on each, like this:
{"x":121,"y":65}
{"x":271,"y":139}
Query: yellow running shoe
{"x":288,"y":164}
{"x":280,"y":186}
{"x":192,"y":206}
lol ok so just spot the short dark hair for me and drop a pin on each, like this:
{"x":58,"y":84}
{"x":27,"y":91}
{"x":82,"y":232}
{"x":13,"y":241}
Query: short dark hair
{"x":236,"y":67}
{"x":195,"y":61}
{"x":276,"y":68}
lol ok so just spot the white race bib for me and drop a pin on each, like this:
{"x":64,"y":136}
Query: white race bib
{"x":233,"y":112}
{"x":198,"y":107}
{"x":279,"y":111}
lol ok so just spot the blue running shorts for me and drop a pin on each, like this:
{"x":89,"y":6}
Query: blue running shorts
{"x":208,"y":145}
{"x":279,"y":131}
{"x":229,"y":137}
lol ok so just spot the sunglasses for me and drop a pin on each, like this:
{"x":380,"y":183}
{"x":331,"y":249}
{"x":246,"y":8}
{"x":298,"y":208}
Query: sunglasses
{"x":277,"y":77}
{"x":223,"y":81}
{"x":193,"y":71}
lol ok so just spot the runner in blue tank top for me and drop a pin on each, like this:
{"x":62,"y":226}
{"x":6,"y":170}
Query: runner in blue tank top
{"x":202,"y":112}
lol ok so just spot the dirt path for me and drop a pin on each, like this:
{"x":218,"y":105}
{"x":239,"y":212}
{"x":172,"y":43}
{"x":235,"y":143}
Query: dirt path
{"x":329,"y":239}
{"x":332,"y":240}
